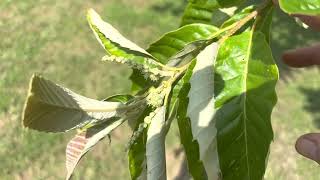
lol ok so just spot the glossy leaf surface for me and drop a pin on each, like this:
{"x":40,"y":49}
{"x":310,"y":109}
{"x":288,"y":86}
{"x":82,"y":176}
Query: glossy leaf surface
{"x":245,"y":97}
{"x":173,"y":42}
{"x":305,"y":7}
{"x":199,"y":11}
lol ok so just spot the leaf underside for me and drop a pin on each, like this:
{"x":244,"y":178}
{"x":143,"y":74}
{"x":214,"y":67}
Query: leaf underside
{"x":84,"y":141}
{"x":52,"y":108}
{"x":191,"y":146}
{"x":201,"y":109}
{"x":155,"y":147}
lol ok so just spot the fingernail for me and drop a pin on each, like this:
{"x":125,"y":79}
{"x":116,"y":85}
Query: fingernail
{"x":308,"y":148}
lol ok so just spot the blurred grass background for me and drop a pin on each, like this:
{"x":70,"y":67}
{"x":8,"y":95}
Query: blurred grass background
{"x":52,"y":38}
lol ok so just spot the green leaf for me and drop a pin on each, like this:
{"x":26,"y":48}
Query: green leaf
{"x":111,"y":40}
{"x":155,"y":147}
{"x":238,"y":16}
{"x":169,"y":45}
{"x":123,"y":98}
{"x":188,"y":53}
{"x":173,"y":42}
{"x":230,"y":3}
{"x":136,"y":153}
{"x":305,"y":7}
{"x":84,"y":141}
{"x":245,"y":97}
{"x":265,"y":20}
{"x":199,"y":11}
{"x":208,"y":11}
{"x":201,"y":110}
{"x":138,"y":82}
{"x":190,"y":145}
{"x":52,"y":108}
{"x":122,"y":50}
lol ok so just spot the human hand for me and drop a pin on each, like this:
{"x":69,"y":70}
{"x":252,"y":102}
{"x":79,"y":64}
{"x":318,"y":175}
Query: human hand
{"x":307,"y":145}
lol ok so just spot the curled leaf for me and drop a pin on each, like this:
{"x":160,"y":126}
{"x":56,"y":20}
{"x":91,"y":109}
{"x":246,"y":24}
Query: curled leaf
{"x":52,"y":108}
{"x":111,"y":39}
{"x":84,"y":141}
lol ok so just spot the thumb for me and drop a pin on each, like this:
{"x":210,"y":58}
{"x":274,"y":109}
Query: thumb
{"x":308,"y":146}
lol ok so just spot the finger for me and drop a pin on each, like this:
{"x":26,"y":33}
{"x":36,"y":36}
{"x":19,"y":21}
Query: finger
{"x":308,"y":146}
{"x":303,"y":57}
{"x":312,"y":21}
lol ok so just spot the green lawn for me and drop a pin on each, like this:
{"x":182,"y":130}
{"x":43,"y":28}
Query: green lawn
{"x":52,"y":38}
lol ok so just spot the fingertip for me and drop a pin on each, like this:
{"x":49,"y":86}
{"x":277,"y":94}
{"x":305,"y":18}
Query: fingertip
{"x":302,"y":57}
{"x":291,"y":59}
{"x":308,"y":146}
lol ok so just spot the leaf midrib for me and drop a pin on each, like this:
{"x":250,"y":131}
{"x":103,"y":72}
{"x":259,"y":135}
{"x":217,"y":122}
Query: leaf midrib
{"x":244,"y":90}
{"x":81,"y":109}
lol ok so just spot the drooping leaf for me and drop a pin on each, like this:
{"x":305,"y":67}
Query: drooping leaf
{"x":84,"y":141}
{"x":155,"y":147}
{"x":305,"y":7}
{"x":201,"y":109}
{"x":52,"y":108}
{"x":191,"y":147}
{"x":245,"y":96}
